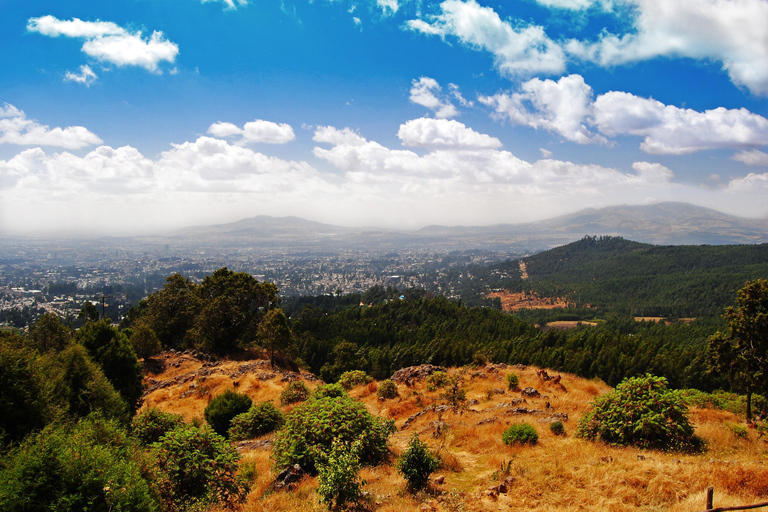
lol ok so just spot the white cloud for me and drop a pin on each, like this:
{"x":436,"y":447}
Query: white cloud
{"x":388,"y":6}
{"x":16,"y":128}
{"x":426,"y":91}
{"x":444,"y":133}
{"x":517,"y":51}
{"x":733,"y":32}
{"x":230,"y":4}
{"x":86,"y":76}
{"x":574,"y":5}
{"x":255,"y":131}
{"x":108,"y":42}
{"x":560,"y":107}
{"x":754,"y":158}
{"x":671,"y":130}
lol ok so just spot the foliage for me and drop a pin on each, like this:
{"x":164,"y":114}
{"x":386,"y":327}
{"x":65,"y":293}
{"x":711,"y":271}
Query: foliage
{"x":354,"y":378}
{"x":328,"y":391}
{"x":387,"y":390}
{"x":49,"y":333}
{"x":222,"y":409}
{"x":557,"y":428}
{"x":454,"y":393}
{"x":437,"y":380}
{"x":295,"y":391}
{"x":170,"y":311}
{"x":88,"y":465}
{"x":308,"y":432}
{"x":112,"y":351}
{"x":513,"y":380}
{"x":337,"y":475}
{"x":275,"y":334}
{"x":417,"y":463}
{"x":145,"y":342}
{"x":643,"y":412}
{"x":346,"y":357}
{"x":197,"y":466}
{"x":739,"y":431}
{"x":742,"y":352}
{"x":260,"y":419}
{"x":520,"y":433}
{"x":152,"y":424}
{"x":24,"y":404}
{"x":79,"y":387}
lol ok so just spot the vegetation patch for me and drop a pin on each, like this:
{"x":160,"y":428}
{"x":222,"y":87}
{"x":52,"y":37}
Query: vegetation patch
{"x":295,"y":391}
{"x":520,"y":433}
{"x":223,"y":409}
{"x":261,"y":418}
{"x":417,"y":463}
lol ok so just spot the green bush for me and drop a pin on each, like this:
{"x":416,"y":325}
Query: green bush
{"x":513,"y":381}
{"x":197,"y":467}
{"x":739,"y":431}
{"x":417,"y":463}
{"x":88,"y":465}
{"x":328,"y":391}
{"x":437,"y":380}
{"x":520,"y":433}
{"x":223,"y":408}
{"x":309,"y":431}
{"x":152,"y":424}
{"x":337,"y":475}
{"x":642,"y":412}
{"x":261,"y":418}
{"x":23,"y":398}
{"x":354,"y":378}
{"x":295,"y":391}
{"x":557,"y":428}
{"x":387,"y":390}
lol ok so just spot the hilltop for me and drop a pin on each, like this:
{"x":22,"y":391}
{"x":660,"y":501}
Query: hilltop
{"x":560,"y":473}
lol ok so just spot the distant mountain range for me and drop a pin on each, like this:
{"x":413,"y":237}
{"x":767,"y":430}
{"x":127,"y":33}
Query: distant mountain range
{"x":659,"y":224}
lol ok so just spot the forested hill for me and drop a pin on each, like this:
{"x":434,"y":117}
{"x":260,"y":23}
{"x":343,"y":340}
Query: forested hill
{"x":611,"y":273}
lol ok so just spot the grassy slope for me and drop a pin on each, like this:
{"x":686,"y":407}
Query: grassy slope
{"x":560,"y":473}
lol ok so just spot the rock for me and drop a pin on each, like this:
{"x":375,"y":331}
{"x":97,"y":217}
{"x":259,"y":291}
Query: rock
{"x":412,"y":374}
{"x":288,"y":478}
{"x":473,"y":401}
{"x":530,"y":392}
{"x":440,"y":479}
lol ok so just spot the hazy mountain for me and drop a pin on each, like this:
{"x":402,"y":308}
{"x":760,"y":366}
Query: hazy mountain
{"x":661,"y":224}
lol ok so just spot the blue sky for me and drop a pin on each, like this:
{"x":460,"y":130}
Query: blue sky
{"x":144,"y":115}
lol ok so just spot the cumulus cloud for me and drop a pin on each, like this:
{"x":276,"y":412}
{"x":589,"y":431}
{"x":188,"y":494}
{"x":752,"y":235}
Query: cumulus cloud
{"x":16,"y":128}
{"x":732,"y":32}
{"x":444,"y":133}
{"x":85,"y":77}
{"x":110,"y":43}
{"x":671,"y":130}
{"x":560,"y":107}
{"x":426,"y":92}
{"x":255,"y":131}
{"x":388,"y":6}
{"x":517,"y":51}
{"x":754,"y":158}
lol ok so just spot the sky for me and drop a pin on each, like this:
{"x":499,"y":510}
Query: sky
{"x":142,"y":116}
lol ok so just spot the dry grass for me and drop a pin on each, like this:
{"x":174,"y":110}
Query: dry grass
{"x":558,"y":474}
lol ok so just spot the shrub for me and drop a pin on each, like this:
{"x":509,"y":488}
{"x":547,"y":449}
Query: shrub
{"x":455,"y":394}
{"x":557,"y":428}
{"x":88,"y":465}
{"x":196,"y":467}
{"x":23,"y":402}
{"x":387,"y":390}
{"x":338,"y":479}
{"x":643,"y":412}
{"x":295,"y":391}
{"x":328,"y":391}
{"x":354,"y":378}
{"x":520,"y":433}
{"x":437,"y":380}
{"x":513,"y":381}
{"x":417,"y":463}
{"x":261,"y":418}
{"x":739,"y":431}
{"x":152,"y":424}
{"x":223,"y":408}
{"x":311,"y":427}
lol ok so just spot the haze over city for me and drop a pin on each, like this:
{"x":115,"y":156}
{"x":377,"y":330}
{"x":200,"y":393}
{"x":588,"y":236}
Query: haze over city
{"x":143,"y":116}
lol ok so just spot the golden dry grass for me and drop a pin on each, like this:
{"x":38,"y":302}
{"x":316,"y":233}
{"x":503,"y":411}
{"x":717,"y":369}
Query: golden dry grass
{"x":558,"y":474}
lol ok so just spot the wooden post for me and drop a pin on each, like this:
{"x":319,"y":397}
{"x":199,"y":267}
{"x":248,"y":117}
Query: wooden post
{"x":710,"y":496}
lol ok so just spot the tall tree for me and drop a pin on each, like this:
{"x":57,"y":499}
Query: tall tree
{"x":170,"y":312}
{"x":275,"y":334}
{"x":742,"y":351}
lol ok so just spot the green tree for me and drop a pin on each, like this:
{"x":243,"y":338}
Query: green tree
{"x":170,"y":312}
{"x":742,"y":351}
{"x":144,"y":341}
{"x":275,"y":334}
{"x":89,"y":313}
{"x":23,"y":400}
{"x":232,"y":306}
{"x":49,"y":333}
